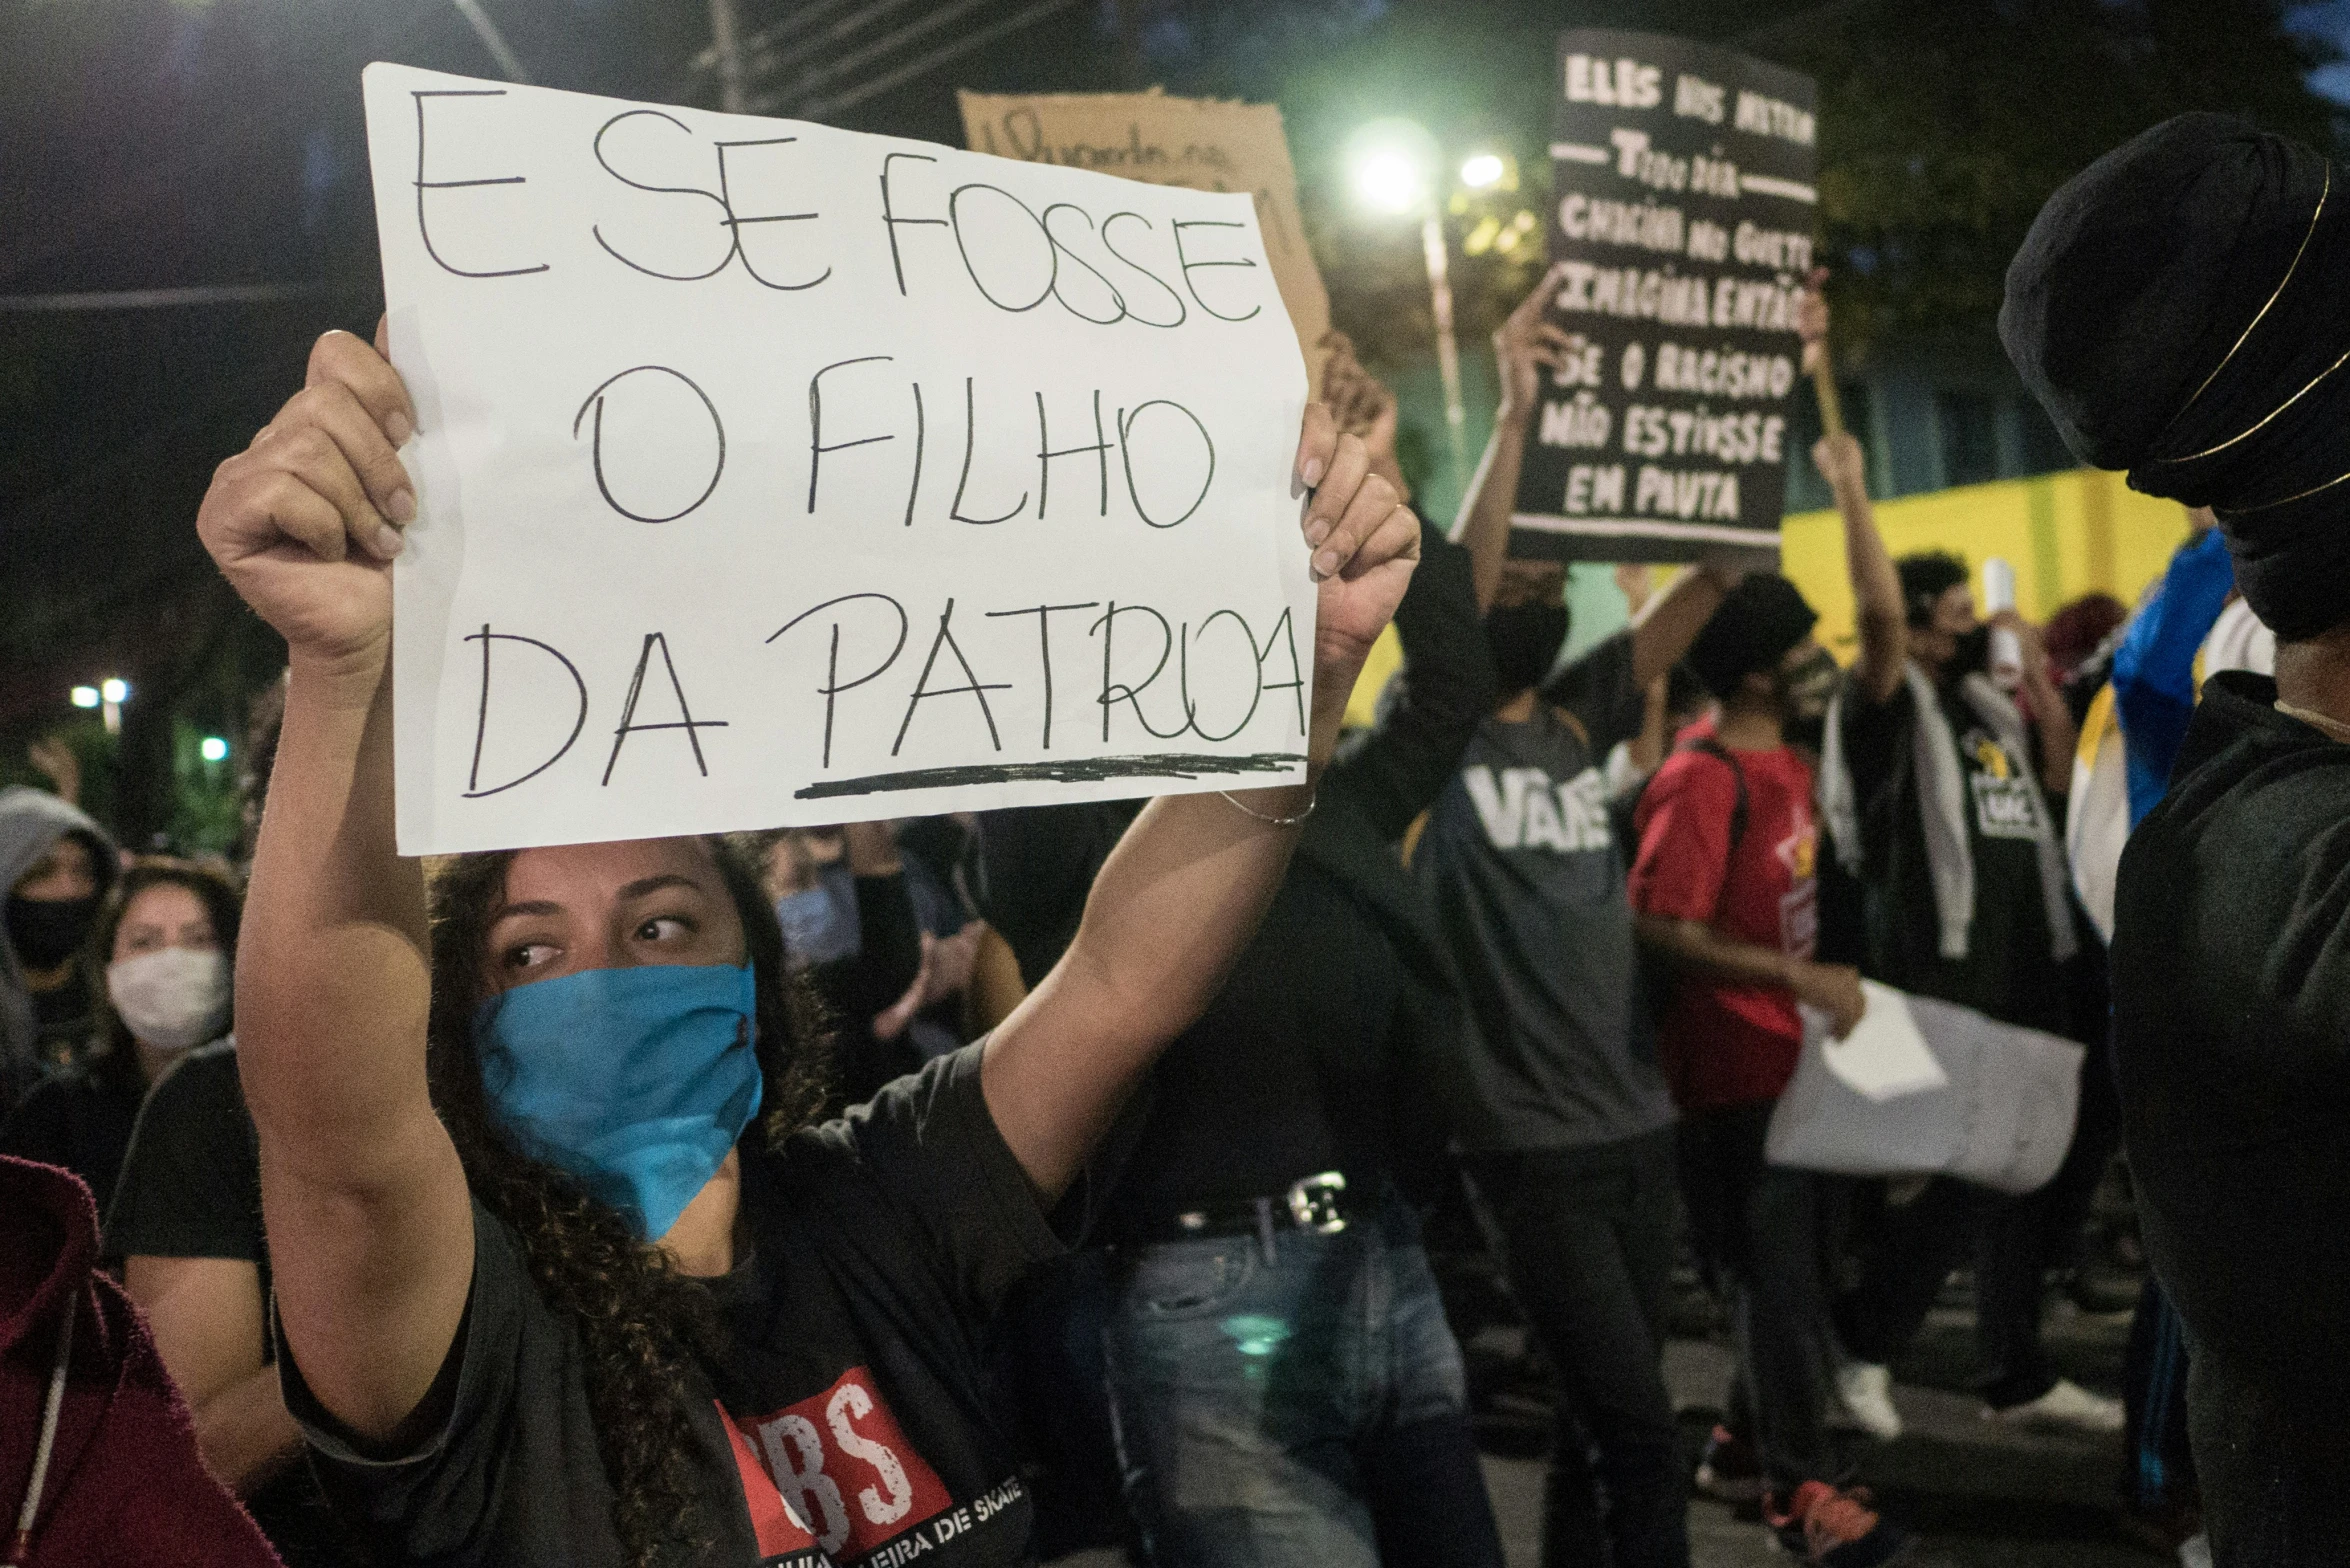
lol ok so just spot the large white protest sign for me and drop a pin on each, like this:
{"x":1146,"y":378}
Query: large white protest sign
{"x":772,"y":473}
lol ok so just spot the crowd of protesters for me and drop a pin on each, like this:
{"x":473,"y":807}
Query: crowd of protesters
{"x":994,"y":1185}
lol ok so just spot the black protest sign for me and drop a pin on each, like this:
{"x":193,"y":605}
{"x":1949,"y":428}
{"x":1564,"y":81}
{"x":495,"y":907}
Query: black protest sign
{"x":1682,"y":231}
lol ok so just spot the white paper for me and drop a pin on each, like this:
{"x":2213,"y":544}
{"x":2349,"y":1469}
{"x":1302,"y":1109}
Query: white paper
{"x":1990,"y":1103}
{"x":1885,"y":1056}
{"x":1998,"y":584}
{"x":645,"y":548}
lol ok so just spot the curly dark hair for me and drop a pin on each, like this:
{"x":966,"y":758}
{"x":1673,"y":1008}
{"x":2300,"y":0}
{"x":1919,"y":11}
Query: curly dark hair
{"x":640,"y":1321}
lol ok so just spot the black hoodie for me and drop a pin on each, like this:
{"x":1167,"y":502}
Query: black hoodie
{"x":2231,"y":985}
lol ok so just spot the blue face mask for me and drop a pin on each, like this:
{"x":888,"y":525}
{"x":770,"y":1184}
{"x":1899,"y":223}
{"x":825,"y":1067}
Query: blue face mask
{"x":820,"y":923}
{"x":635,"y":1081}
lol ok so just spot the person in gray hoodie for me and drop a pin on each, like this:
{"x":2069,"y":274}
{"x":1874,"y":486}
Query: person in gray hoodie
{"x":57,"y":865}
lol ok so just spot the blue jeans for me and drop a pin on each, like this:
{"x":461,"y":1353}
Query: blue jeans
{"x":1305,"y":1409}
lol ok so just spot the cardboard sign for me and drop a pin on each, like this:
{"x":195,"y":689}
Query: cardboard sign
{"x":771,"y":473}
{"x":1683,"y":226}
{"x":1206,"y":144}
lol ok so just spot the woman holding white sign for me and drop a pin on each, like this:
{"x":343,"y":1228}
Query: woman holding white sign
{"x":552,"y":1290}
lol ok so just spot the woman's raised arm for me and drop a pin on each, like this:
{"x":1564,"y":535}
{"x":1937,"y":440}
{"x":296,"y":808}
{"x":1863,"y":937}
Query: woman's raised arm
{"x":1182,"y":893}
{"x":365,"y":1203}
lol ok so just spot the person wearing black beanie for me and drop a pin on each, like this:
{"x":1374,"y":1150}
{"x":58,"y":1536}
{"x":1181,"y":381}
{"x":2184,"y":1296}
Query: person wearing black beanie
{"x":2177,"y":308}
{"x":1764,"y":628}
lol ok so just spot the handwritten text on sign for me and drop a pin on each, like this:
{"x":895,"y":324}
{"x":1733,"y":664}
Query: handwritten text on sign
{"x":1205,"y":143}
{"x":775,"y":473}
{"x":1683,"y":178}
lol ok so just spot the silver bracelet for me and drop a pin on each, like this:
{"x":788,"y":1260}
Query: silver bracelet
{"x":1278,"y":822}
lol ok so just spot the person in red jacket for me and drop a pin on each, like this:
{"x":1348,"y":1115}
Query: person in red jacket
{"x":98,"y":1460}
{"x":1723,"y":891}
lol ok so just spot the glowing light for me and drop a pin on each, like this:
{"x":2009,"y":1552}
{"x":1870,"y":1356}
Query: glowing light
{"x":213,"y":749}
{"x":1389,"y":181}
{"x":85,"y":696}
{"x":1482,"y":170}
{"x":114,"y":689}
{"x":1391,"y":164}
{"x":1254,"y":1335}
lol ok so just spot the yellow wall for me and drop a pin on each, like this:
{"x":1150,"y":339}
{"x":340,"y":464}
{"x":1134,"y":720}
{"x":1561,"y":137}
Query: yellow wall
{"x":2066,"y":535}
{"x":1385,"y":656}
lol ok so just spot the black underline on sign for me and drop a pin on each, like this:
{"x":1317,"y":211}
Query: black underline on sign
{"x":1076,"y":770}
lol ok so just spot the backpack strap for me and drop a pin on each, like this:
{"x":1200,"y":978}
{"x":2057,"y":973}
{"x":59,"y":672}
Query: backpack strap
{"x":1738,"y":807}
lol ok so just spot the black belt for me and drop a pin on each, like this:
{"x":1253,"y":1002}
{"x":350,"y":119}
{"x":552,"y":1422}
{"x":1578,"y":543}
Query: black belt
{"x":1316,"y":1203}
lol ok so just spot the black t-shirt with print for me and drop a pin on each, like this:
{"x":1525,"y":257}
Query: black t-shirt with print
{"x":1521,"y":864}
{"x":2008,"y":972}
{"x":850,"y":1424}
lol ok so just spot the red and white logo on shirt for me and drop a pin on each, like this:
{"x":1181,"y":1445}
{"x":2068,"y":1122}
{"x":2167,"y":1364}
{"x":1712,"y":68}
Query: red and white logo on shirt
{"x":1799,"y":906}
{"x":833,"y":1471}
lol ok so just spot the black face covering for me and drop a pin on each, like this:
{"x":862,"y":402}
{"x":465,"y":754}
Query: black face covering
{"x":2176,"y":308}
{"x":46,"y":932}
{"x":1525,"y":639}
{"x":1974,"y":654}
{"x":1804,"y":690}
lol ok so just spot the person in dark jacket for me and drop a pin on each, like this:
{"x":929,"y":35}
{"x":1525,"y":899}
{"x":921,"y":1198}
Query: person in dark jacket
{"x":2177,"y":309}
{"x":55,"y":865}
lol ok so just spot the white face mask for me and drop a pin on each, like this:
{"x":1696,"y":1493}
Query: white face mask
{"x":172,"y":998}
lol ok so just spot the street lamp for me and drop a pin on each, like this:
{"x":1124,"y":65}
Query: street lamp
{"x":113,"y":692}
{"x":213,"y":749}
{"x":1391,"y":180}
{"x":85,"y":696}
{"x":1483,"y":171}
{"x":1393,"y":164}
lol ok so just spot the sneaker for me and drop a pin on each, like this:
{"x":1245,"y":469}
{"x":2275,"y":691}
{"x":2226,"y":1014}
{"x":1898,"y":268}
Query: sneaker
{"x":1730,"y":1471}
{"x":1835,"y":1529}
{"x":1865,"y":1390}
{"x":2195,"y":1551}
{"x":2065,"y":1407}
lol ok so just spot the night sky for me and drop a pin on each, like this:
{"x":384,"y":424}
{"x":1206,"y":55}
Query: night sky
{"x":150,"y":144}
